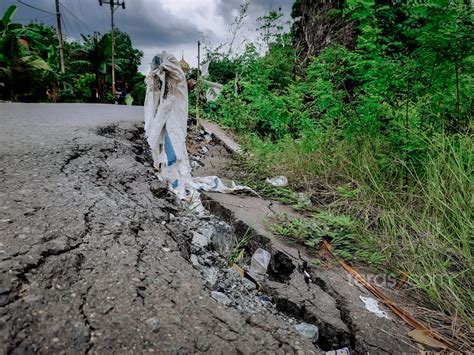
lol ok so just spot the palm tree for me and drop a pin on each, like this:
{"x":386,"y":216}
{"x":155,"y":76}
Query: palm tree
{"x":94,"y":55}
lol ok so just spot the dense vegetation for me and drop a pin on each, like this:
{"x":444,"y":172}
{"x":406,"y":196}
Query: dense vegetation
{"x":29,"y":64}
{"x":377,"y":127}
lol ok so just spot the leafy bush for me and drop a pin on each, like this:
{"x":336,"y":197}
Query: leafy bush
{"x":138,"y":93}
{"x":391,"y":118}
{"x":84,"y":87}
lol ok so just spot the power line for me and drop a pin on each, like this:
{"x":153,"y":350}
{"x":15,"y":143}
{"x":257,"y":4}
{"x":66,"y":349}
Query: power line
{"x":77,"y":19}
{"x":82,"y":10}
{"x":66,"y":27}
{"x":36,"y":8}
{"x":33,"y":18}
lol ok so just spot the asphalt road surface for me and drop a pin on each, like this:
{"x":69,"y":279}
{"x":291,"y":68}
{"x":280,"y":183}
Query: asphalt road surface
{"x":90,"y":261}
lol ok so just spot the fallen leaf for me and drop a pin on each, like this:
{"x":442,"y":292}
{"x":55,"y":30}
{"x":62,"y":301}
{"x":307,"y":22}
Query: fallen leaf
{"x":419,"y":336}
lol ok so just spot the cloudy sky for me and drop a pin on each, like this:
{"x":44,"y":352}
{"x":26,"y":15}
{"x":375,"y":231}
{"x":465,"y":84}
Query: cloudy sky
{"x":154,"y":25}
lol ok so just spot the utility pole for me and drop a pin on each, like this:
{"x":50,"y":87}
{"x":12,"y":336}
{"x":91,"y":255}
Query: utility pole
{"x":114,"y":5}
{"x":198,"y":85}
{"x":199,"y":59}
{"x":60,"y":36}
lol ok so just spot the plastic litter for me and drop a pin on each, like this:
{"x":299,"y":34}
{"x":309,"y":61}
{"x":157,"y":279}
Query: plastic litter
{"x":402,"y":313}
{"x":372,"y":305}
{"x":166,"y":116}
{"x":259,"y":264}
{"x":343,"y":351}
{"x":304,"y":200}
{"x":308,"y":330}
{"x":278,"y":181}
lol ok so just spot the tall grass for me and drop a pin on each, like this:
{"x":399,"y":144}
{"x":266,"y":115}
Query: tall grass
{"x":421,"y":218}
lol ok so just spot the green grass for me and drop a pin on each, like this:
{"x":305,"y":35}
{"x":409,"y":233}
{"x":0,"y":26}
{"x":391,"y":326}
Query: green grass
{"x":254,"y":177}
{"x":238,"y":250}
{"x":420,"y":220}
{"x":344,"y":233}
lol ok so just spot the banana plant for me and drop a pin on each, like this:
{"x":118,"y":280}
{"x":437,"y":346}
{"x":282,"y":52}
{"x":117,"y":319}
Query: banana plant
{"x":13,"y":53}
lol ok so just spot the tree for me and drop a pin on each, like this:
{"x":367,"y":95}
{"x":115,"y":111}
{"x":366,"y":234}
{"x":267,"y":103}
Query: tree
{"x":19,"y":56}
{"x":95,"y":53}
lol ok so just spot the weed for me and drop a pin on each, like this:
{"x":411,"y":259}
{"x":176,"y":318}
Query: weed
{"x":342,"y":231}
{"x":238,"y":252}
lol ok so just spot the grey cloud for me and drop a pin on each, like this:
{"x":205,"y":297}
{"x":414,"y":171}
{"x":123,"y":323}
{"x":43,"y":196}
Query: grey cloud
{"x":147,"y":22}
{"x":256,"y":7}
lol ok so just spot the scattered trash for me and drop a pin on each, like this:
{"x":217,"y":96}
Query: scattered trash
{"x":259,"y":264}
{"x":308,"y":330}
{"x":153,"y":323}
{"x":221,"y":298}
{"x":372,"y":305}
{"x":343,"y":351}
{"x":214,"y":90}
{"x":304,"y":200}
{"x":278,"y":181}
{"x":220,"y":135}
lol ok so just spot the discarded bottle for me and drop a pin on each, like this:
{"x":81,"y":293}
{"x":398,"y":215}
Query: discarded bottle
{"x":259,"y":264}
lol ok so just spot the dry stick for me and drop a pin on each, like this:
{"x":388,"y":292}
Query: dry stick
{"x":403,"y":314}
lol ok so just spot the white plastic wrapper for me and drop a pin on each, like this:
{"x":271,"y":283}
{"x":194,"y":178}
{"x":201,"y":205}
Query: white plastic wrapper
{"x":259,"y":264}
{"x":166,"y":117}
{"x":278,"y":181}
{"x":372,"y":305}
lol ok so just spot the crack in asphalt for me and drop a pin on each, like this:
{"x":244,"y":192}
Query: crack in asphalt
{"x":87,"y":323}
{"x":129,"y":262}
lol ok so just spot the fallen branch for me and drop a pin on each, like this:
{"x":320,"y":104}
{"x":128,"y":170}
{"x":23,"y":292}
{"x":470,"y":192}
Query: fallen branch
{"x":403,"y":314}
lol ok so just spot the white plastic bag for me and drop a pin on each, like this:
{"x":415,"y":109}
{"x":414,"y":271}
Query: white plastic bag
{"x":278,"y":181}
{"x":259,"y":264}
{"x":166,"y":117}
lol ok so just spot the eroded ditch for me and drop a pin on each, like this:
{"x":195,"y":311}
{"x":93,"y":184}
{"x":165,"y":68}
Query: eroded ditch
{"x":206,"y":242}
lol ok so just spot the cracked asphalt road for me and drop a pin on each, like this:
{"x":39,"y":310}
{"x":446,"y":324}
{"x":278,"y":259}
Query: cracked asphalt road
{"x":88,"y":262}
